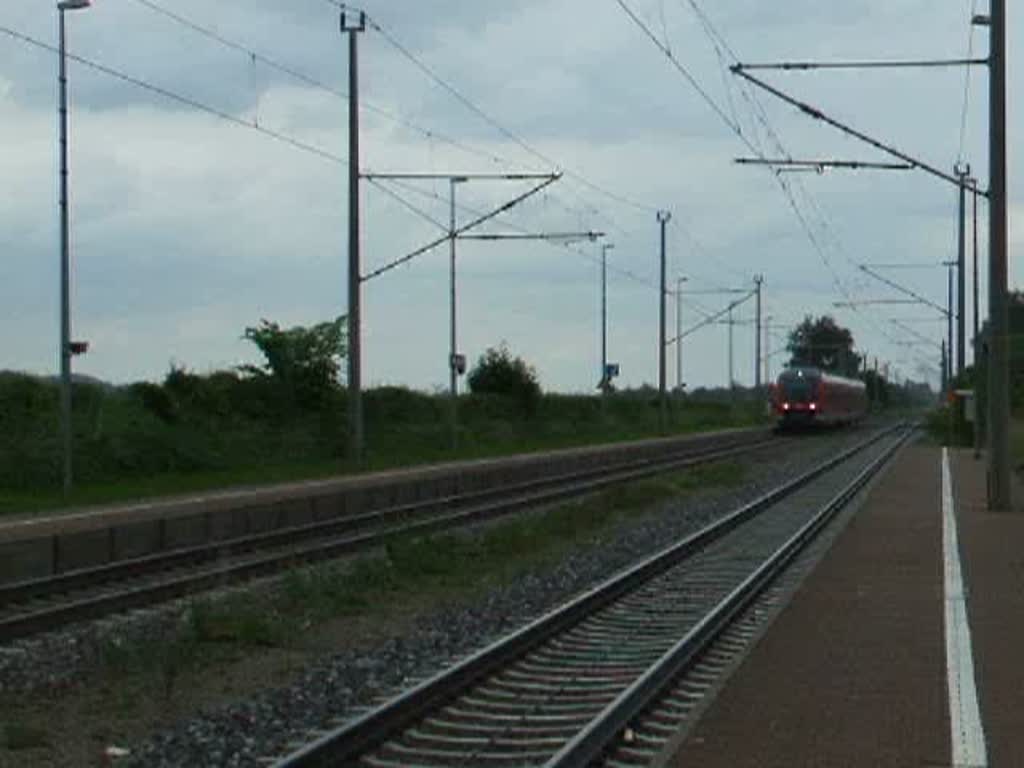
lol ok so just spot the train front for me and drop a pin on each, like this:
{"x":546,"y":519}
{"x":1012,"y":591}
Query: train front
{"x":797,"y":397}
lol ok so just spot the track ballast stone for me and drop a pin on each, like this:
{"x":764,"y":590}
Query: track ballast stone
{"x":338,"y":687}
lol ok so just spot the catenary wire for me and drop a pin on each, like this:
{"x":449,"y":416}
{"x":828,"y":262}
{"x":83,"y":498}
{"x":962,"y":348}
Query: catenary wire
{"x":314,"y":82}
{"x":179,"y":98}
{"x":513,"y":137}
{"x":757,"y":111}
{"x":967,"y":83}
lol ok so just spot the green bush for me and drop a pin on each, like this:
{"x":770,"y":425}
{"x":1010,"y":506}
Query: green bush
{"x":303,"y":362}
{"x":26,"y":404}
{"x":400,"y":405}
{"x":157,"y":400}
{"x":498,"y":373}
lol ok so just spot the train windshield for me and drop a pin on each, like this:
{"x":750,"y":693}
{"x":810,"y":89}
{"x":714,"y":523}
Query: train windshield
{"x":798,"y":389}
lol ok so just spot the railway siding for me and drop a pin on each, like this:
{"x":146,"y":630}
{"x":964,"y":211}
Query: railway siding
{"x":38,"y":547}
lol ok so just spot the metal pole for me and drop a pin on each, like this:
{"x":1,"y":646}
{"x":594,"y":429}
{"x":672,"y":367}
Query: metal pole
{"x":945,"y":369}
{"x":453,"y":414}
{"x":679,"y":333}
{"x":999,"y":491}
{"x":758,"y":280}
{"x":978,"y":430}
{"x":974,"y":183}
{"x":731,"y":376}
{"x":65,"y":269}
{"x":949,"y":322}
{"x":355,"y":394}
{"x":663,"y":219}
{"x":604,"y":317}
{"x":961,"y":261}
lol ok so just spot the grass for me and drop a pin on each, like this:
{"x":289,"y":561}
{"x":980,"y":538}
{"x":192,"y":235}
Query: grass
{"x":135,"y":443}
{"x":21,"y":736}
{"x":177,"y":483}
{"x":230,"y":648}
{"x":410,"y":572}
{"x":165,"y":484}
{"x":466,"y":562}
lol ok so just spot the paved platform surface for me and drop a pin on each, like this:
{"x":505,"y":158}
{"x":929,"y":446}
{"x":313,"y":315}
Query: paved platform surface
{"x":992,"y":547}
{"x":854,"y":670}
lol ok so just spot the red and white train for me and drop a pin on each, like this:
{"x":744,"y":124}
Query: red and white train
{"x":805,"y":396}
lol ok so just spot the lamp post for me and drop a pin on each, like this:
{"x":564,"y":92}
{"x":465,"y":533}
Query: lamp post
{"x":66,"y":347}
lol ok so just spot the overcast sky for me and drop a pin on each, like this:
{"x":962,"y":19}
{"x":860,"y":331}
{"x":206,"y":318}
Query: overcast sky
{"x":186,"y":228}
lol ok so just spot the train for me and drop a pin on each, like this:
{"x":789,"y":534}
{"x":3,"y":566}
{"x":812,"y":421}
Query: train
{"x":805,"y":396}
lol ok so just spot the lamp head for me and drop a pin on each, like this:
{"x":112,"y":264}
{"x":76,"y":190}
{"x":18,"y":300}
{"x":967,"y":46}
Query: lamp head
{"x":73,"y":5}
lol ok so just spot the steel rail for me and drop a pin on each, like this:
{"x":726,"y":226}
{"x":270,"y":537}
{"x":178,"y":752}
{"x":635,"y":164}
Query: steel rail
{"x":472,"y":507}
{"x":345,"y":744}
{"x":17,"y":592}
{"x":593,"y":740}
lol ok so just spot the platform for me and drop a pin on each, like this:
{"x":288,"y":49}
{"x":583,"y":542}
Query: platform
{"x":40,"y":546}
{"x":858,"y":668}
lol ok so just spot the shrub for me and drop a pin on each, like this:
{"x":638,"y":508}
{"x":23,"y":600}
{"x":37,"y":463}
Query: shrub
{"x":25,"y":403}
{"x":305,"y":362}
{"x":498,"y":373}
{"x":400,"y":405}
{"x":157,"y":400}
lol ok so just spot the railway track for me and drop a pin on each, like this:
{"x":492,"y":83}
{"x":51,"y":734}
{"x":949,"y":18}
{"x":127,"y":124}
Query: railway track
{"x":40,"y":605}
{"x":609,"y":677}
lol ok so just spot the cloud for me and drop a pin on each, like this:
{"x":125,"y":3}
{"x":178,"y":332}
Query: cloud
{"x":186,"y":228}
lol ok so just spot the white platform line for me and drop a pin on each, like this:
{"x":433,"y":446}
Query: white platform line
{"x":968,"y":734}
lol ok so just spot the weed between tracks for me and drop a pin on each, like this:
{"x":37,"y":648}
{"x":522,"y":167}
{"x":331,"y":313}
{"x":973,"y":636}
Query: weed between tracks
{"x":226,"y":648}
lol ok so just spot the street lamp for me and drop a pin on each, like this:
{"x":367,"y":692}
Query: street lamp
{"x":67,"y":349}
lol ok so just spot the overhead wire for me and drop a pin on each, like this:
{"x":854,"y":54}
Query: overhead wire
{"x":516,"y":139}
{"x":625,"y":273}
{"x":395,"y":263}
{"x":506,"y":132}
{"x":314,"y":82}
{"x":680,"y":67}
{"x":734,"y":126}
{"x":178,"y":98}
{"x":569,"y":173}
{"x":760,"y":116}
{"x":406,"y":204}
{"x":197,"y":105}
{"x":967,"y":83}
{"x":770,"y":132}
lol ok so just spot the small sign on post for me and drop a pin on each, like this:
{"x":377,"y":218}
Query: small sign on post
{"x":458,"y":363}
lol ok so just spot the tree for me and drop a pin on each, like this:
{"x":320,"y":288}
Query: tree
{"x":498,"y":373}
{"x":823,"y":343}
{"x":304,"y":362}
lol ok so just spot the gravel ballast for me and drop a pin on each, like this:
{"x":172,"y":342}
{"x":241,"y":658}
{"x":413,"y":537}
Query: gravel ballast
{"x":338,"y":686}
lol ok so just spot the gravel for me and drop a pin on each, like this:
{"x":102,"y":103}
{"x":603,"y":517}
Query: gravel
{"x":338,"y":687}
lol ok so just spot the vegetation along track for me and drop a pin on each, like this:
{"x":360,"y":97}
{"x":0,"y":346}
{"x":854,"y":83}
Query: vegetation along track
{"x":575,"y":687}
{"x":39,"y":605}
